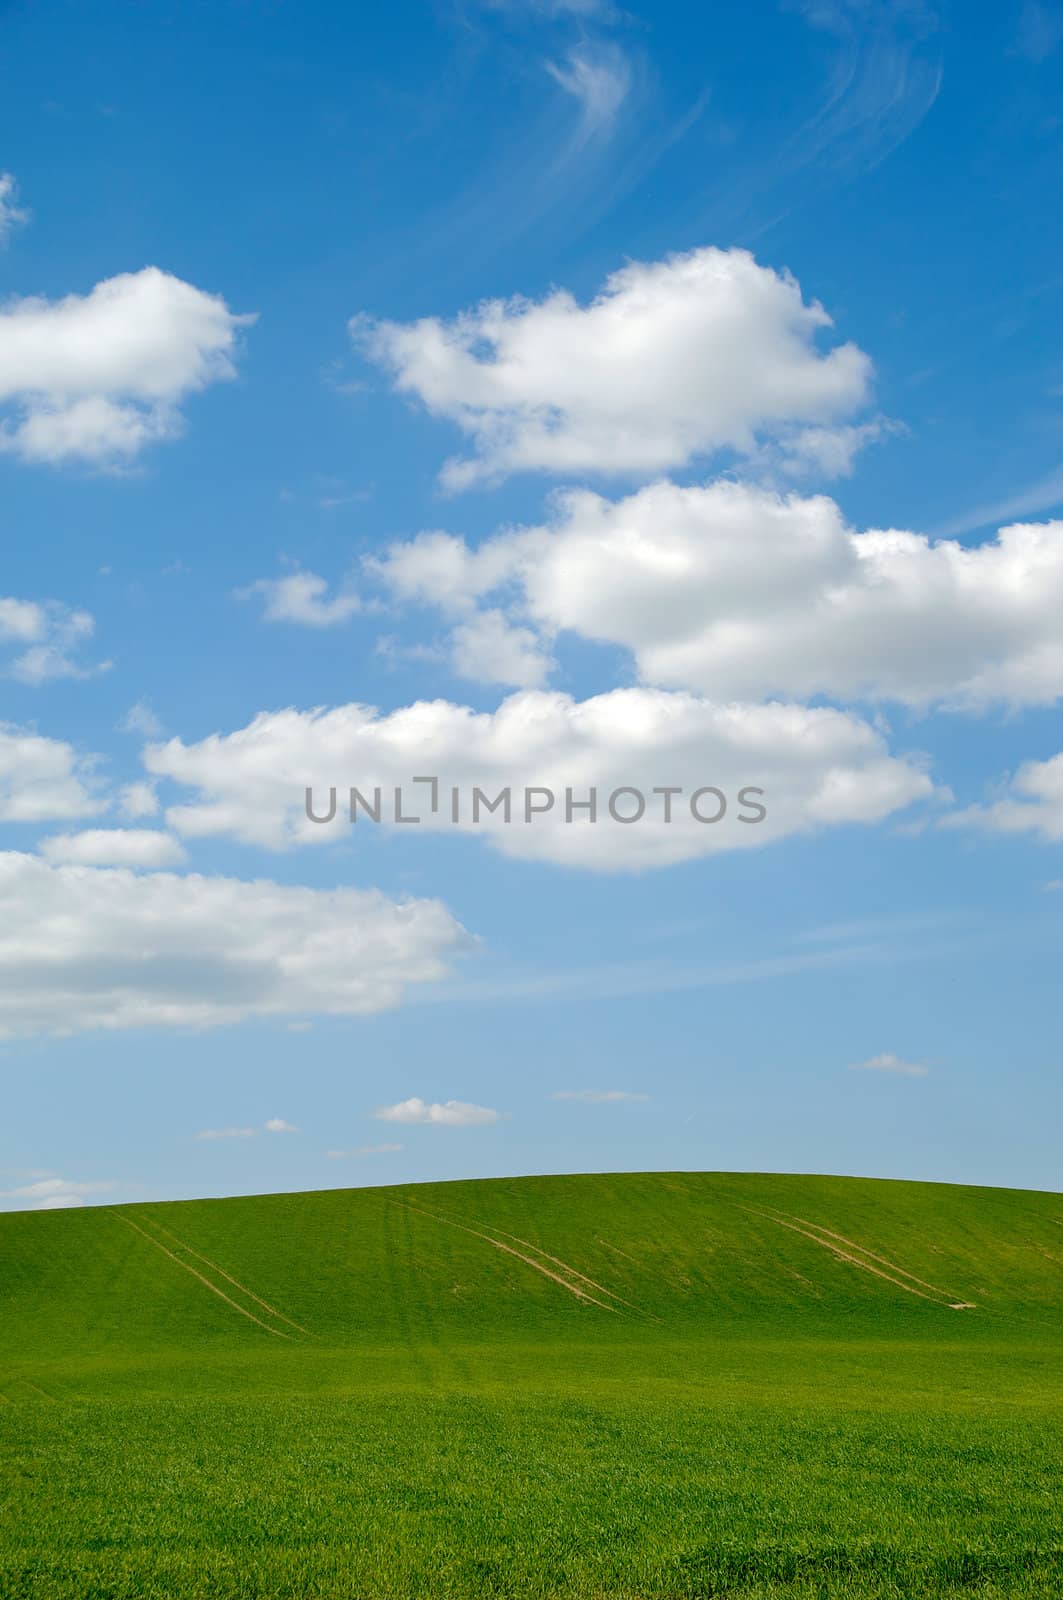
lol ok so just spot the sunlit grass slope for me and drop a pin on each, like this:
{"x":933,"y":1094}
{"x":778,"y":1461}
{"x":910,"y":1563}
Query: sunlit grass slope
{"x":628,"y":1385}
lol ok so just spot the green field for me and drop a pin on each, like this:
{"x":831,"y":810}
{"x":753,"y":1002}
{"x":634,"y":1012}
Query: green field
{"x":648,"y":1385}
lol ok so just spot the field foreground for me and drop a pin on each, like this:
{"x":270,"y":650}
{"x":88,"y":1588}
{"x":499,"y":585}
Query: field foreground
{"x":638,"y":1386}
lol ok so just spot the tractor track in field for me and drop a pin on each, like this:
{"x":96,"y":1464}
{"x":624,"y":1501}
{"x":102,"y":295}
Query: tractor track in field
{"x":213,"y":1265}
{"x":872,"y":1254}
{"x":555,"y":1277}
{"x":576,"y":1273}
{"x":937,"y":1297}
{"x":213,"y":1287}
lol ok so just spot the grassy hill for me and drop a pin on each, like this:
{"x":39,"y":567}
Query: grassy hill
{"x":627,"y":1385}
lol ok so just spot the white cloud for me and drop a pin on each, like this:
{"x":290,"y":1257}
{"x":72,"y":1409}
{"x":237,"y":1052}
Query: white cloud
{"x":734,"y":591}
{"x":274,"y":1125}
{"x":96,"y":378}
{"x":44,"y":780}
{"x":12,"y":216}
{"x":449,"y":1114}
{"x":54,"y":1194}
{"x":47,"y":635}
{"x":598,"y":77}
{"x":819,"y":767}
{"x":364,"y":1150}
{"x":102,"y":947}
{"x":1033,"y":804}
{"x":597,"y":1097}
{"x":674,"y":359}
{"x":490,"y":649}
{"x":141,"y":719}
{"x":138,"y":800}
{"x":887,"y":1062}
{"x":301,"y":597}
{"x":114,"y":847}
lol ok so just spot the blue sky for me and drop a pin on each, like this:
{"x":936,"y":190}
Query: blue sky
{"x":528,"y":394}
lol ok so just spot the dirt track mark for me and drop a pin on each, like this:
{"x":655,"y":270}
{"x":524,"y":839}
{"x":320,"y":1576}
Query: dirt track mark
{"x":213,"y":1287}
{"x":843,"y":1255}
{"x":572,"y":1288}
{"x":619,"y":1252}
{"x":864,"y":1251}
{"x":564,"y":1264}
{"x":234,"y":1281}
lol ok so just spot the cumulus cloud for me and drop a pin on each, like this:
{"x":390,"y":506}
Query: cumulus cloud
{"x":887,"y":1062}
{"x":449,"y":1114}
{"x":47,"y":636}
{"x":114,"y":847}
{"x":818,"y":767}
{"x":95,"y":378}
{"x":597,"y":1097}
{"x":1033,"y":803}
{"x":490,"y":649}
{"x":103,"y":947}
{"x":302,"y":597}
{"x":12,"y":215}
{"x":672,"y":360}
{"x":734,"y":591}
{"x":45,"y":780}
{"x":138,"y":800}
{"x":278,"y":1125}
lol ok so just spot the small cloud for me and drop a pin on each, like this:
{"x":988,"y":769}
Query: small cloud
{"x":1056,"y":883}
{"x":597,"y":1097}
{"x":11,"y":215}
{"x":448,"y":1114}
{"x":138,"y":800}
{"x":365,"y":1150}
{"x":54,"y":1194}
{"x":278,"y":1125}
{"x":302,"y":1026}
{"x":114,"y":847}
{"x":50,"y":635}
{"x":301,"y":597}
{"x":142,"y":719}
{"x":887,"y":1062}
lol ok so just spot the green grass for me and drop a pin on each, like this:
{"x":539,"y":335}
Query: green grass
{"x":733,"y":1403}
